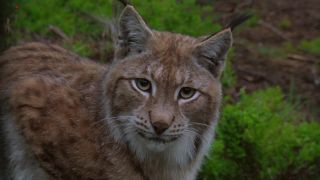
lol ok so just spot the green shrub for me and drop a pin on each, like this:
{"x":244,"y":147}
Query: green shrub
{"x":285,"y":23}
{"x":289,"y":48}
{"x":81,"y":48}
{"x":228,"y":77}
{"x":311,"y":46}
{"x":272,"y":52}
{"x":34,"y":17}
{"x":177,"y":16}
{"x":263,"y":137}
{"x":254,"y":20}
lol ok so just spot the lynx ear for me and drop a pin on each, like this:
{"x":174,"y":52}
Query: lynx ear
{"x":133,"y":33}
{"x":212,"y":51}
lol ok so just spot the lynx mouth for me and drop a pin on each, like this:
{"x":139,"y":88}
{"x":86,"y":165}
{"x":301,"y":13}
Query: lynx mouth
{"x":158,"y":139}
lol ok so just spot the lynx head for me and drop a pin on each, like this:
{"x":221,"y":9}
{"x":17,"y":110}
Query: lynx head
{"x":162,"y":92}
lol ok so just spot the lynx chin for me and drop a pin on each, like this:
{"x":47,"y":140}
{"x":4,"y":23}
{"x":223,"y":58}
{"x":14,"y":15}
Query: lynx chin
{"x":150,"y":114}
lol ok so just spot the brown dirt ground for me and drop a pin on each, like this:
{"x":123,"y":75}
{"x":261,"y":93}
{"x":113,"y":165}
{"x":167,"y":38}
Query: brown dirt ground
{"x":297,"y":73}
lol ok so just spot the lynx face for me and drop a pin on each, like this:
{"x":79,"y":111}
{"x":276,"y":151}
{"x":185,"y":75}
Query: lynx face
{"x":163,"y":90}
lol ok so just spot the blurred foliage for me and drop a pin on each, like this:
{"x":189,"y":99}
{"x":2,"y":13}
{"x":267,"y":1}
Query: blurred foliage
{"x":7,"y":8}
{"x":168,"y":15}
{"x":82,"y":47}
{"x":271,"y":51}
{"x":229,"y":79}
{"x":311,"y":46}
{"x":281,"y":52}
{"x":288,"y":47}
{"x":263,"y":137}
{"x":254,"y":20}
{"x":34,"y":17}
{"x":285,"y":23}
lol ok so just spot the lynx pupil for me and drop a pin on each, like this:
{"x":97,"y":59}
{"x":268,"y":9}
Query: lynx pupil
{"x":143,"y":84}
{"x":186,"y":92}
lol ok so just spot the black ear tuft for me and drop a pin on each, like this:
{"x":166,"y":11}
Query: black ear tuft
{"x":237,"y":20}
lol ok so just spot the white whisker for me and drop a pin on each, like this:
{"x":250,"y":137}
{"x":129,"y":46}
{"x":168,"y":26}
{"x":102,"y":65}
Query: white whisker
{"x":198,"y":124}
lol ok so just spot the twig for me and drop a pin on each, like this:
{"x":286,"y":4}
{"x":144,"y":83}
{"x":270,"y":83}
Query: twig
{"x":110,"y":25}
{"x":274,"y":30}
{"x":260,"y":75}
{"x":7,"y":26}
{"x":97,"y":19}
{"x":316,"y":77}
{"x":301,"y":58}
{"x":59,"y":32}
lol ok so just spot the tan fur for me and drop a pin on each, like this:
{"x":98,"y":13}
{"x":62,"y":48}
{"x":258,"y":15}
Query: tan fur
{"x":68,"y":109}
{"x":53,"y":96}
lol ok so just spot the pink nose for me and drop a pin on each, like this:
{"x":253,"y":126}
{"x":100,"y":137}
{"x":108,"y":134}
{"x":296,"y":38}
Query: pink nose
{"x":160,"y":126}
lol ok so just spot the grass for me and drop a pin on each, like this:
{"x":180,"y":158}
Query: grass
{"x":272,"y":52}
{"x":285,"y":23}
{"x":172,"y":16}
{"x":311,"y":46}
{"x":228,"y":77}
{"x":254,"y":20}
{"x":281,"y":52}
{"x":33,"y":18}
{"x":263,"y":136}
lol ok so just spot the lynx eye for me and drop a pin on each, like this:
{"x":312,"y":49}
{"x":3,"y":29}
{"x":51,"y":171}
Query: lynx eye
{"x":187,"y":93}
{"x":143,"y":84}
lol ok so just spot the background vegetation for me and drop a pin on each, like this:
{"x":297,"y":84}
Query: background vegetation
{"x":264,"y":134}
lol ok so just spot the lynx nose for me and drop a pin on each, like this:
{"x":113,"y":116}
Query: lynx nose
{"x":161,"y":119}
{"x":160,"y":126}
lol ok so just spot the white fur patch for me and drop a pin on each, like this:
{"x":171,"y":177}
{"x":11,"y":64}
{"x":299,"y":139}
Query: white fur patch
{"x":23,"y":165}
{"x":177,"y":159}
{"x":177,"y":153}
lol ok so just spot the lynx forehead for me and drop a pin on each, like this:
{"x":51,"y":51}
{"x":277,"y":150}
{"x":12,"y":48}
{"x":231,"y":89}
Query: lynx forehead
{"x":148,"y":115}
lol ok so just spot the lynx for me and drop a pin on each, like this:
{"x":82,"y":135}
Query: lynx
{"x":150,"y":114}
